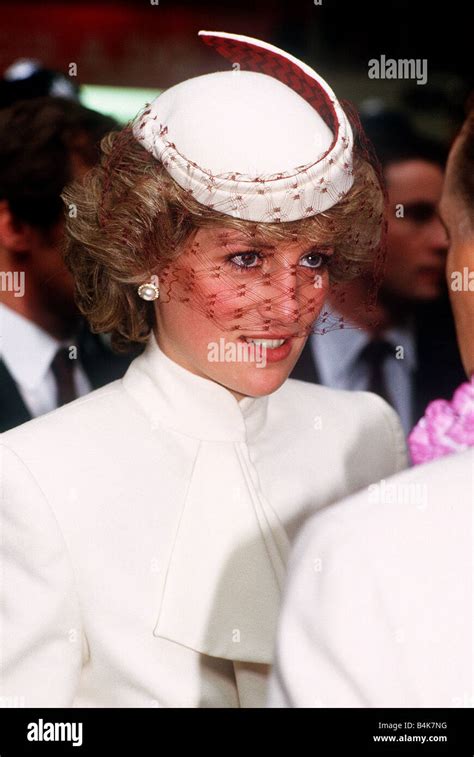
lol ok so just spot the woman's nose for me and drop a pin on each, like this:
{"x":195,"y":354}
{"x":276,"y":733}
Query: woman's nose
{"x":277,"y":296}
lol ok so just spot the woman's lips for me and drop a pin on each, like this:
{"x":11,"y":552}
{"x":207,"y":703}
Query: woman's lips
{"x":267,"y":347}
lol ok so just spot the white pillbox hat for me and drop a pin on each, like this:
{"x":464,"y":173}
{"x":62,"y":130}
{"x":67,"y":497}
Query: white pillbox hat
{"x":267,"y":141}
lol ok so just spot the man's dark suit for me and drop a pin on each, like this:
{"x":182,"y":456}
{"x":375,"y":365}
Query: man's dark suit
{"x":99,"y":363}
{"x":439,"y":371}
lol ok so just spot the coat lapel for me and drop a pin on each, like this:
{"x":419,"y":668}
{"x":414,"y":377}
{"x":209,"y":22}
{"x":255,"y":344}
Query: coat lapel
{"x":225,"y":577}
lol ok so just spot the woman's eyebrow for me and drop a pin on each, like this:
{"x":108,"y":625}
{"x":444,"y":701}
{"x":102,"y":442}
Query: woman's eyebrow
{"x":246,"y":242}
{"x":260,"y":244}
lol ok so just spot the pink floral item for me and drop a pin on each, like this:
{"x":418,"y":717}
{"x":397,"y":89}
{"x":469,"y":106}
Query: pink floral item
{"x":446,"y":427}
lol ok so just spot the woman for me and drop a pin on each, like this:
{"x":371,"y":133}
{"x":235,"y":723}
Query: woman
{"x":148,"y":524}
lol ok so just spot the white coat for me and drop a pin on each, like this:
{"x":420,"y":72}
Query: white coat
{"x":386,"y":620}
{"x":146,"y":529}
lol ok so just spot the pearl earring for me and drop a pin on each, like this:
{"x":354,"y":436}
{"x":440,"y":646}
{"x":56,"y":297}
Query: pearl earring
{"x":148,"y":291}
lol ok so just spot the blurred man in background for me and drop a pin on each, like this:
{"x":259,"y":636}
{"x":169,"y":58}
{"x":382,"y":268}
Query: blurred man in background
{"x":47,"y":354}
{"x":405,"y":350}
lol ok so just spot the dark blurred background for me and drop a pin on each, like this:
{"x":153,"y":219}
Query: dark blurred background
{"x":150,"y":45}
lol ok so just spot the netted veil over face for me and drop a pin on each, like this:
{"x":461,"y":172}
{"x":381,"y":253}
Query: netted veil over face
{"x":265,"y":159}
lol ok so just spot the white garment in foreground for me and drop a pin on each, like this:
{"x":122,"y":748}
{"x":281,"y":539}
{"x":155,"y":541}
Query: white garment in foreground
{"x":146,"y":528}
{"x":379,"y":597}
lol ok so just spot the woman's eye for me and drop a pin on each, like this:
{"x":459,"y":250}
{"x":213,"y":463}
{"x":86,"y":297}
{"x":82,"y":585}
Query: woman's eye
{"x":314,"y":260}
{"x":251,"y":259}
{"x":245,"y":259}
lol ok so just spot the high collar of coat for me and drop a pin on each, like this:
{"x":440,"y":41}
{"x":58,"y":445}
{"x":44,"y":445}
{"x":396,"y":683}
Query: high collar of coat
{"x":176,"y":399}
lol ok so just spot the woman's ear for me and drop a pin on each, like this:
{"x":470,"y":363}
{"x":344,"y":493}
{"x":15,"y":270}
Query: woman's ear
{"x":15,"y":236}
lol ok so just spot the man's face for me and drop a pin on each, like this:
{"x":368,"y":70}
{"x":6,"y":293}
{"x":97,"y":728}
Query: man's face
{"x":458,"y":222}
{"x":226,"y":286}
{"x":416,"y":240}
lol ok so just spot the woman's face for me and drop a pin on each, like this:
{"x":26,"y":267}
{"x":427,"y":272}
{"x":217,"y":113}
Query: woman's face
{"x":238,"y":311}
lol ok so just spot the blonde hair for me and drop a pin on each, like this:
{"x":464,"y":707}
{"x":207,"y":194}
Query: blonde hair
{"x":130,"y":218}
